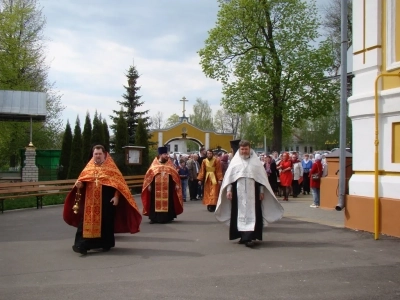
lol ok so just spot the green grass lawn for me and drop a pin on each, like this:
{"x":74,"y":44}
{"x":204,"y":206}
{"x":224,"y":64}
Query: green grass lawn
{"x":16,"y":203}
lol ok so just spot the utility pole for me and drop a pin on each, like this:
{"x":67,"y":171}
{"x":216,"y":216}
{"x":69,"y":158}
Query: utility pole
{"x":343,"y":107}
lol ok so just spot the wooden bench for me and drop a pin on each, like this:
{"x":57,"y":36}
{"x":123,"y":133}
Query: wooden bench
{"x":10,"y":179}
{"x":39,"y":189}
{"x":134,"y":181}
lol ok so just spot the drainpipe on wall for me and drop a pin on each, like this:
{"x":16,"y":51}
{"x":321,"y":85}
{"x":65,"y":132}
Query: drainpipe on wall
{"x":343,"y":108}
{"x":376,"y":159}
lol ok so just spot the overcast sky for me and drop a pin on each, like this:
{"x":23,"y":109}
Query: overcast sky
{"x":92,"y":43}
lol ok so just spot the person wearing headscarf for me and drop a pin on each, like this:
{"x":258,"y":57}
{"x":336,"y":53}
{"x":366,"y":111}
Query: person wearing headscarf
{"x":103,"y":206}
{"x":297,"y":171}
{"x":285,"y":175}
{"x":162,"y":191}
{"x":224,"y":163}
{"x":315,"y":183}
{"x":270,"y":169}
{"x":246,"y":201}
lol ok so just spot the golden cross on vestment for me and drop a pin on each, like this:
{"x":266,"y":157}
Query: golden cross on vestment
{"x":96,"y":176}
{"x":184,"y":100}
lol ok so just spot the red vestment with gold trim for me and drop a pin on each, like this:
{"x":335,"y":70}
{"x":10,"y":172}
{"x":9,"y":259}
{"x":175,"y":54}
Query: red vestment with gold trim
{"x":127,"y":215}
{"x":161,"y":172}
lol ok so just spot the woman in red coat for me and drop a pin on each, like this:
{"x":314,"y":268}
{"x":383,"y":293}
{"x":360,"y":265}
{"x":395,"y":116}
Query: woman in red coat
{"x":285,"y":176}
{"x":315,"y":184}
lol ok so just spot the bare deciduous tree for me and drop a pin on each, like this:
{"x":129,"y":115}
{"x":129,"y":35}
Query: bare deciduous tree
{"x":157,"y":120}
{"x":331,"y":22}
{"x":227,"y":122}
{"x":171,"y":121}
{"x":202,"y":115}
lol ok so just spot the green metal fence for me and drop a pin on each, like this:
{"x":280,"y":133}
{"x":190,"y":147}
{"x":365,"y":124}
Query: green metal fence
{"x":47,"y":162}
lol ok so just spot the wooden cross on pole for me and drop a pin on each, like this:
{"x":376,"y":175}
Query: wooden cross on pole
{"x":184,"y":100}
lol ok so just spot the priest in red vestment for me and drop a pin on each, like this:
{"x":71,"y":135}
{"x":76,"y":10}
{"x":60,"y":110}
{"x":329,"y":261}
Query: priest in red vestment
{"x":106,"y":205}
{"x":162,"y":191}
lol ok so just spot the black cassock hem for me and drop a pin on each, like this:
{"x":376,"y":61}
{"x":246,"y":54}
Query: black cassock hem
{"x":163,"y":217}
{"x":234,"y":233}
{"x":107,"y":239}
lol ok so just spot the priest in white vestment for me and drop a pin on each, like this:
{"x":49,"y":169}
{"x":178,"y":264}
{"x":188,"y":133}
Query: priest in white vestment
{"x":246,"y":201}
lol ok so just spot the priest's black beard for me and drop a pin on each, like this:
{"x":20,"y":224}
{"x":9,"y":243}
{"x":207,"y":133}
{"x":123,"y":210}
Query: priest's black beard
{"x":163,"y":160}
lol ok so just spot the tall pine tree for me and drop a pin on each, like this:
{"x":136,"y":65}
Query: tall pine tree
{"x":106,"y":135}
{"x":121,"y":140}
{"x":131,"y":105}
{"x":86,"y":139}
{"x":121,"y":134}
{"x":142,"y":140}
{"x":65,"y":153}
{"x":76,"y":162}
{"x":97,"y":131}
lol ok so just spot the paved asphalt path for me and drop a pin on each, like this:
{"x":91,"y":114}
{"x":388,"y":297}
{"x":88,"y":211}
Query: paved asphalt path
{"x":192,"y":258}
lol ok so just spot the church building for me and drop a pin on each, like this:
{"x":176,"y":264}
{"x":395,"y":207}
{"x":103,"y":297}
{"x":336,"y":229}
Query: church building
{"x":373,"y":203}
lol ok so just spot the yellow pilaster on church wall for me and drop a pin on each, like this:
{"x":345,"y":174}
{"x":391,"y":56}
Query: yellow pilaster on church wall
{"x":397,"y":37}
{"x":394,"y":41}
{"x":396,"y":143}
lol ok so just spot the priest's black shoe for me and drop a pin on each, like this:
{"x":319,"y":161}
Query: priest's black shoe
{"x":79,"y":250}
{"x":249,"y":244}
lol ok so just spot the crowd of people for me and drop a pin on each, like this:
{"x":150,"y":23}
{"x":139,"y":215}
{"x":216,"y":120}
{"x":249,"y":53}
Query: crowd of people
{"x":240,"y":187}
{"x":288,"y":174}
